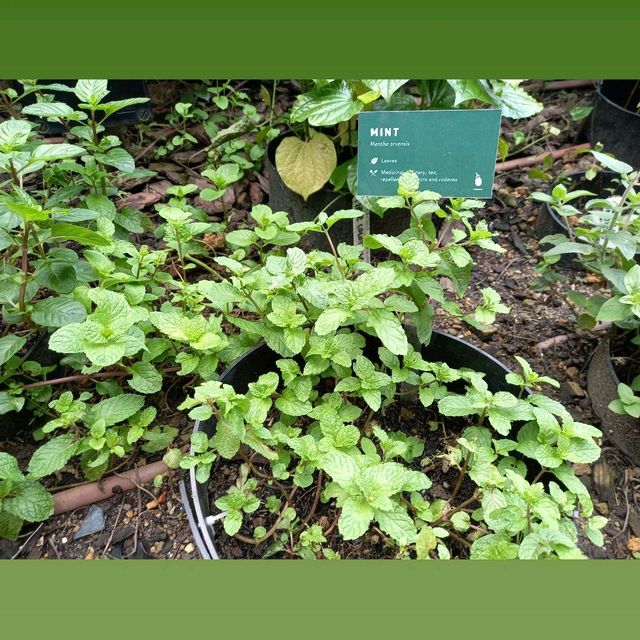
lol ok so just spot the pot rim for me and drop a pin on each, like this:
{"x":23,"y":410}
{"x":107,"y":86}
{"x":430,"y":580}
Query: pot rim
{"x":574,"y":174}
{"x":610,"y":102}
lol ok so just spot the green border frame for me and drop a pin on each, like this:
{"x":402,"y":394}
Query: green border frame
{"x":298,"y":38}
{"x":334,"y":38}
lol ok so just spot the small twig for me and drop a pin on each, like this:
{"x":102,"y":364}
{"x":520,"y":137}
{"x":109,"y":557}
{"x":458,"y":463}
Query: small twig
{"x":26,"y":542}
{"x":316,"y":499}
{"x":113,"y":530}
{"x":87,"y":376}
{"x":139,"y":486}
{"x":135,"y":533}
{"x":333,"y":525}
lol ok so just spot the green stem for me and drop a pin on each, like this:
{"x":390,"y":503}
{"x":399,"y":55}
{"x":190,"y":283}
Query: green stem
{"x":616,"y":215}
{"x":461,"y":477}
{"x":24,"y":267}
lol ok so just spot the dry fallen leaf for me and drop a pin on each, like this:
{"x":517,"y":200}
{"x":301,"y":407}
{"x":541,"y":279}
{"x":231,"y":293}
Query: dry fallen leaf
{"x":634,"y":545}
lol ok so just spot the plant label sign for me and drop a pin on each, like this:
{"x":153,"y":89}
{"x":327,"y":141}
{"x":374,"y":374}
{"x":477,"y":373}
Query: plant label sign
{"x":452,"y":151}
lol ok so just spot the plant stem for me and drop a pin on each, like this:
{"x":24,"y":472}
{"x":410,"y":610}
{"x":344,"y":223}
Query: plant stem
{"x":24,"y":267}
{"x":205,"y":266}
{"x":316,"y":499}
{"x":460,"y":507}
{"x":335,"y":253}
{"x":461,"y":477}
{"x":81,"y":377}
{"x":616,"y":215}
{"x":273,"y":529}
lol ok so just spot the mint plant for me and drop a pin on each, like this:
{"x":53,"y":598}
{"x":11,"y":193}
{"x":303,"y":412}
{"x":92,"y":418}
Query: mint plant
{"x":22,"y":498}
{"x":605,"y":241}
{"x":339,"y":327}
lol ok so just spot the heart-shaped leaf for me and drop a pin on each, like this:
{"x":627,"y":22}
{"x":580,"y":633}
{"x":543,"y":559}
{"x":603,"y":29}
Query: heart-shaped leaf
{"x":306,"y":166}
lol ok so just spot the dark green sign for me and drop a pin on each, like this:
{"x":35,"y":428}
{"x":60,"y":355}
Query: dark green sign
{"x":452,"y":151}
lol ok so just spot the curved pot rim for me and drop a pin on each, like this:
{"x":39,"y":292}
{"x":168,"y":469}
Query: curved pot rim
{"x":574,"y":174}
{"x":204,"y":533}
{"x":610,"y":102}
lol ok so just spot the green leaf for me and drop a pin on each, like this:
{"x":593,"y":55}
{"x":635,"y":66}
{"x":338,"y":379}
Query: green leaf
{"x":386,"y":87}
{"x":53,"y":455}
{"x":118,"y":158}
{"x":329,"y":320}
{"x":75,"y":233}
{"x":31,"y":502}
{"x":9,"y":346}
{"x":9,"y":469}
{"x":426,"y":541}
{"x":456,"y":406}
{"x":116,"y":409}
{"x":58,"y":312}
{"x":355,"y":518}
{"x":613,"y":310}
{"x":494,"y":547}
{"x":146,"y":378}
{"x":10,"y":526}
{"x":340,"y":466}
{"x":306,"y":166}
{"x":389,"y":330}
{"x":232,"y":522}
{"x":91,"y":91}
{"x":397,"y":524}
{"x":326,"y":105}
{"x":611,"y":163}
{"x":13,"y":134}
{"x":48,"y":110}
{"x":569,"y":247}
{"x":49,"y":152}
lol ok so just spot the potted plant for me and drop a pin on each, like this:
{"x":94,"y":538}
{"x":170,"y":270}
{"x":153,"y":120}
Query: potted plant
{"x":309,"y":172}
{"x":605,"y":241}
{"x":347,"y":435}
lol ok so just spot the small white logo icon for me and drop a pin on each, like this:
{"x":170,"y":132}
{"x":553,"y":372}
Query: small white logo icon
{"x":374,"y":160}
{"x":478,"y":180}
{"x":373,"y":171}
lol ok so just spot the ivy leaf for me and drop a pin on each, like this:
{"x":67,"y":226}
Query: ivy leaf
{"x":53,"y":455}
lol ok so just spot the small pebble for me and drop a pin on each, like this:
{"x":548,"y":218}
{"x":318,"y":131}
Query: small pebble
{"x":189,"y":548}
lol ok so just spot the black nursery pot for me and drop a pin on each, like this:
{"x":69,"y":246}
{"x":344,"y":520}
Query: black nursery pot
{"x":548,"y":222}
{"x":281,"y":198}
{"x":602,"y":386}
{"x":14,"y":422}
{"x":443,"y":348}
{"x":118,"y":90}
{"x":614,"y":120}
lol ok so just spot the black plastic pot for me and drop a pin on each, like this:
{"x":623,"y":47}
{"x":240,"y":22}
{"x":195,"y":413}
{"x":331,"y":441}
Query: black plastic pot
{"x":118,"y":90}
{"x":443,"y":348}
{"x":602,"y":385}
{"x":281,"y":198}
{"x":14,"y":422}
{"x":614,"y":120}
